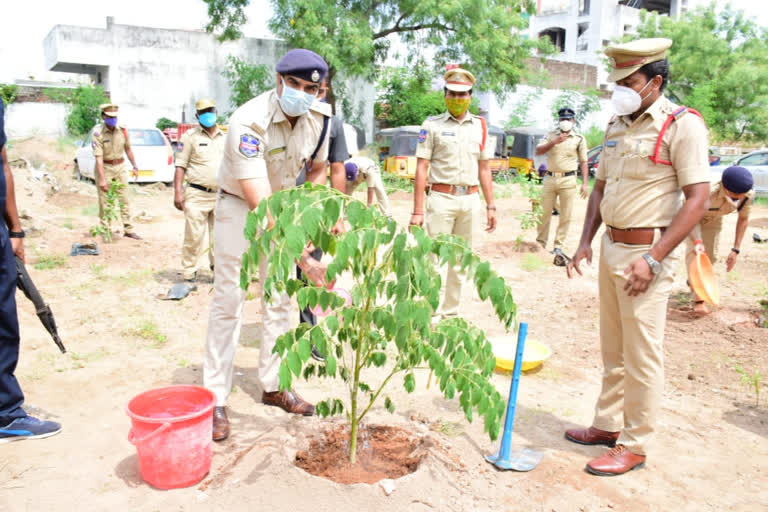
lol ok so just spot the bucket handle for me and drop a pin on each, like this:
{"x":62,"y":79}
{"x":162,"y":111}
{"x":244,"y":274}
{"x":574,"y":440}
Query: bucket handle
{"x":137,"y":441}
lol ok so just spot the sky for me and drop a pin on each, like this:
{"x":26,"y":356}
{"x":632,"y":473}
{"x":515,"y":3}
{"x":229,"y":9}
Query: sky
{"x":26,"y":23}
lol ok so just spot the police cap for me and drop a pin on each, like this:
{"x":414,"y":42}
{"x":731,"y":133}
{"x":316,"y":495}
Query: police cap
{"x":204,"y":104}
{"x":304,"y":64}
{"x":108,"y":109}
{"x":566,"y":113}
{"x":738,"y":180}
{"x":458,"y":79}
{"x":629,"y":57}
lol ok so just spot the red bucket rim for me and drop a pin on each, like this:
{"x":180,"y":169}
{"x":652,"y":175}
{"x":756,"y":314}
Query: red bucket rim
{"x":176,"y":419}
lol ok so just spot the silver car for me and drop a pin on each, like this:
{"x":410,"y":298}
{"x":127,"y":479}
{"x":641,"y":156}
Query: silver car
{"x":757,"y":163}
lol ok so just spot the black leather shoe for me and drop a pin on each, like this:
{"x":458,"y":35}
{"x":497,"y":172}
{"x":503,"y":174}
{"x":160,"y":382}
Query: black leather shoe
{"x":220,"y":423}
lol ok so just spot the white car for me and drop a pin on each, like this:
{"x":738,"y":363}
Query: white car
{"x":757,"y":163}
{"x":151,"y":149}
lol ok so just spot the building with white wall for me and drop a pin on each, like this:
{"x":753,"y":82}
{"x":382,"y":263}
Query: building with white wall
{"x":153,"y":72}
{"x":580,"y":29}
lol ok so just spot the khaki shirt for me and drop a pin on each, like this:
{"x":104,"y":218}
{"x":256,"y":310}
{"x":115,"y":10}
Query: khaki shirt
{"x":638,"y":192}
{"x":261,"y":143}
{"x":368,"y":170}
{"x":566,"y":156}
{"x":453,"y":148}
{"x":110,"y":144}
{"x":719,"y":204}
{"x":199,"y":155}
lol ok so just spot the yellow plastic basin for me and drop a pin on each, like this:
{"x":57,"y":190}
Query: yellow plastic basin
{"x":504,"y":349}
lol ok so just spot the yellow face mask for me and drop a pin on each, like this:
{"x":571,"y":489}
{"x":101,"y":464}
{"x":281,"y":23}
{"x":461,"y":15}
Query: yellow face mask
{"x":457,"y":106}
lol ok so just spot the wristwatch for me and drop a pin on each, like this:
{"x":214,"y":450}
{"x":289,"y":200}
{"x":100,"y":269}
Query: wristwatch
{"x":655,"y":265}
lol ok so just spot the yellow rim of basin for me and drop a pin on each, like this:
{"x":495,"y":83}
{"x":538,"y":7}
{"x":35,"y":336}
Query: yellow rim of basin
{"x":504,"y":349}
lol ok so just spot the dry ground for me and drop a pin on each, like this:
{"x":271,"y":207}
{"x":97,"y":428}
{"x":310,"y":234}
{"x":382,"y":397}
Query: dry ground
{"x":711,"y":451}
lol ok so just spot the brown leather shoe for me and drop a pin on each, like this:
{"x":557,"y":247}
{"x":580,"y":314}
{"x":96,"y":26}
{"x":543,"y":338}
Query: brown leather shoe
{"x":289,"y":401}
{"x":591,"y":436}
{"x":616,"y":461}
{"x":133,"y":235}
{"x":220,"y":423}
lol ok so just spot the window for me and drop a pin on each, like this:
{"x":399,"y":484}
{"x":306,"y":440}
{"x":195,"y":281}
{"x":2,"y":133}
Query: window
{"x":556,"y":35}
{"x":756,"y":159}
{"x":146,"y":138}
{"x":582,"y":40}
{"x":583,"y":7}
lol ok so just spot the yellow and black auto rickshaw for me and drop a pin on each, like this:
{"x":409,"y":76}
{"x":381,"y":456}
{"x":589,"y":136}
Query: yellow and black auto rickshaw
{"x":521,"y":144}
{"x":498,"y":140}
{"x":401,"y":156}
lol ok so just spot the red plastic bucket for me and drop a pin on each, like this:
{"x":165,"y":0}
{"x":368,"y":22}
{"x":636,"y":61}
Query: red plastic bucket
{"x":171,"y":429}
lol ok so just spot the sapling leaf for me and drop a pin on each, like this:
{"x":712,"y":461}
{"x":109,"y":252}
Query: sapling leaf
{"x":388,"y":405}
{"x":304,"y":349}
{"x":294,"y":363}
{"x":409,"y":382}
{"x":284,"y":374}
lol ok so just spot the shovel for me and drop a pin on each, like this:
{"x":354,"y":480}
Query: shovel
{"x":527,"y":458}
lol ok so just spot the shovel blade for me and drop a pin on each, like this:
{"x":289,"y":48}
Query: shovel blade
{"x":519,"y":460}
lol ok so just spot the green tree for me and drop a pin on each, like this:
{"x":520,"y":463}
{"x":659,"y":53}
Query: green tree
{"x":583,"y":103}
{"x":164,"y":123}
{"x":521,"y":111}
{"x":85,"y":101}
{"x":353,"y":35}
{"x":406,"y":97}
{"x":388,"y":324}
{"x":8,"y":93}
{"x":246,"y":80}
{"x":717,"y":66}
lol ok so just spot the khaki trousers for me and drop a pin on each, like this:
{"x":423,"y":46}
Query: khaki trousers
{"x":631,"y":342}
{"x":378,"y":190}
{"x":116,"y":173}
{"x":710,"y":235}
{"x":565,"y":188}
{"x":225,"y":317}
{"x":198,"y":215}
{"x":458,"y":215}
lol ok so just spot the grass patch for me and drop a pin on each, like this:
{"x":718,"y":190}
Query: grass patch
{"x":132,"y":278}
{"x":68,"y":224}
{"x":393,"y":184}
{"x":761,"y":201}
{"x":448,"y":428}
{"x":682,"y":298}
{"x":50,"y":261}
{"x":148,"y":330}
{"x":65,"y":144}
{"x":532,"y":262}
{"x":80,"y":360}
{"x":92,"y":210}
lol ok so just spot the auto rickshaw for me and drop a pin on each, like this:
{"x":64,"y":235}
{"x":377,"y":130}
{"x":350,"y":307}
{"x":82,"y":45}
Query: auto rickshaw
{"x":498,"y":140}
{"x":521,"y":144}
{"x":401,"y":157}
{"x":383,"y":141}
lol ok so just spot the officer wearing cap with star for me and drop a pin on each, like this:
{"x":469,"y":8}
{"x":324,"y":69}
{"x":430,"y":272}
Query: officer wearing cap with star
{"x":198,"y":157}
{"x":453,"y":147}
{"x":110,"y":142}
{"x":637,"y":195}
{"x":269,"y":141}
{"x":566,"y":150}
{"x":732,"y":194}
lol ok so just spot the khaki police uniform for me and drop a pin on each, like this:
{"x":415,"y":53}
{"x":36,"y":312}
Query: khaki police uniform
{"x":199,"y":154}
{"x":453,"y":149}
{"x":369,"y":171}
{"x":563,"y":158}
{"x":111,"y":145}
{"x":709,"y":228}
{"x":260,"y":144}
{"x":640,"y":194}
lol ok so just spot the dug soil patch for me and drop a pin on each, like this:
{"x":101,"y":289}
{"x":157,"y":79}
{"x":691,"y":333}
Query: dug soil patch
{"x":382,"y":452}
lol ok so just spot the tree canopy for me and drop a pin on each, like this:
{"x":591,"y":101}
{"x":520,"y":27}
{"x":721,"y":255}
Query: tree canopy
{"x":353,"y":35}
{"x":717,"y":66}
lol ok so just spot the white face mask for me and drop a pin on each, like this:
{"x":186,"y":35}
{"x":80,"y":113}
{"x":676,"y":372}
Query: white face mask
{"x":294,"y":102}
{"x":565,"y":125}
{"x":625,"y":100}
{"x":734,"y":202}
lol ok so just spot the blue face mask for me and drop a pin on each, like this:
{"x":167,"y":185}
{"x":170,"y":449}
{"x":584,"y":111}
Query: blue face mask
{"x":110,"y":121}
{"x":294,"y":102}
{"x":208,"y":119}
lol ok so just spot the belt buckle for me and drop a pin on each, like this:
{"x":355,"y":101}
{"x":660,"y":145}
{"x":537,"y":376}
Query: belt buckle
{"x":460,"y":190}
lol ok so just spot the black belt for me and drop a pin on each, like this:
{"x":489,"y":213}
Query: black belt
{"x":200,"y":187}
{"x":569,"y":173}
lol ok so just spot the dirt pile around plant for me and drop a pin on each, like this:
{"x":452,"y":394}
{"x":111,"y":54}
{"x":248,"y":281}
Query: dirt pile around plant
{"x":382,"y":452}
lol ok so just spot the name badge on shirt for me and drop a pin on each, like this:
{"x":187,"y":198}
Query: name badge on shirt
{"x":276,"y":151}
{"x":451,"y":134}
{"x":610,"y":143}
{"x":203,"y":144}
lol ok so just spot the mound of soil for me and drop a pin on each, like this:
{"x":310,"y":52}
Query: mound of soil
{"x":382,"y":452}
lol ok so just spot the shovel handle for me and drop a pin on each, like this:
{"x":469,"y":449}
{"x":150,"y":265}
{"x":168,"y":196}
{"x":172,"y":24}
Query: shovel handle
{"x":137,"y":441}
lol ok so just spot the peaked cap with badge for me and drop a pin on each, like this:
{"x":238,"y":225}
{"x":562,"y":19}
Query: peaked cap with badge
{"x":109,"y":109}
{"x":204,"y":103}
{"x":628,"y":57}
{"x":459,"y":80}
{"x":304,"y":64}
